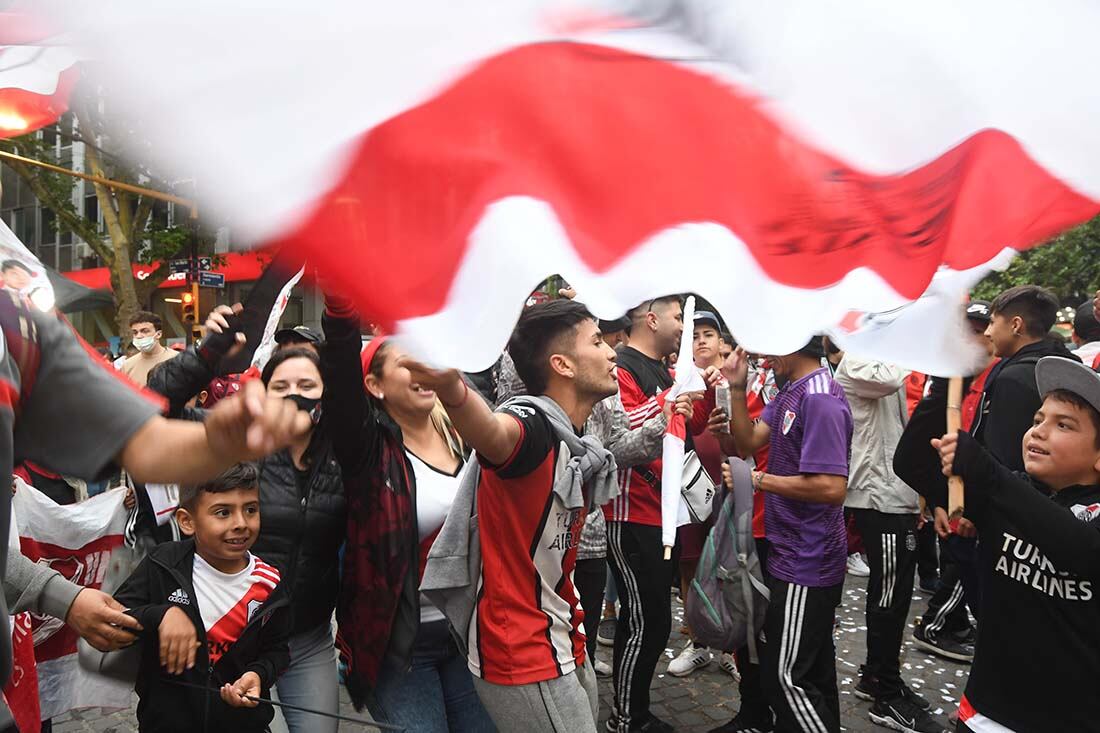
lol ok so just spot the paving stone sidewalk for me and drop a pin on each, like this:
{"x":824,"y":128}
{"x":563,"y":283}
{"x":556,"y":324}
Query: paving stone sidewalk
{"x":707,"y":698}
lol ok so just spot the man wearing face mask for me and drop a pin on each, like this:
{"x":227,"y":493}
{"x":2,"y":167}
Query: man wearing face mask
{"x":145,"y":330}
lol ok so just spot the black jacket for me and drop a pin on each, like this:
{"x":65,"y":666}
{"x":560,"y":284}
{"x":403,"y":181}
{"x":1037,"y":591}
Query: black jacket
{"x":1010,"y":401}
{"x":915,"y":460}
{"x":303,"y":517}
{"x":1038,"y":652}
{"x":262,"y":648}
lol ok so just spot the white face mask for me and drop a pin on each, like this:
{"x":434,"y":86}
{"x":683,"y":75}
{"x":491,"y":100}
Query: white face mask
{"x":145,"y":344}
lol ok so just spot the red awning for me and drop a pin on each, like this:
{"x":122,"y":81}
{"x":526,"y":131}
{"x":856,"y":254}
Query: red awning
{"x":238,"y":267}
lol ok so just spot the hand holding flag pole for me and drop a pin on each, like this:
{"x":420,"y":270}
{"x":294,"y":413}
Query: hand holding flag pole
{"x":688,"y":379}
{"x":955,"y":487}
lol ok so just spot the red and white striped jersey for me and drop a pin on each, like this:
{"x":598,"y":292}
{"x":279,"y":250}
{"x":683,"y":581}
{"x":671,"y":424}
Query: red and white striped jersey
{"x":227,"y":602}
{"x":526,"y":625}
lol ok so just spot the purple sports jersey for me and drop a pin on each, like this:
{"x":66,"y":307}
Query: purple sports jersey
{"x":811,"y":432}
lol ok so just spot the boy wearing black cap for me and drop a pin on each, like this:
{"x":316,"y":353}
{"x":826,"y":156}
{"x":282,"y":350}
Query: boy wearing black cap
{"x":1038,"y":654}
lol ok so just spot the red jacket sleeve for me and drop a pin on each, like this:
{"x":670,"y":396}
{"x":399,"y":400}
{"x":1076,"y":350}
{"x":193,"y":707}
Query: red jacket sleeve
{"x":639,"y":407}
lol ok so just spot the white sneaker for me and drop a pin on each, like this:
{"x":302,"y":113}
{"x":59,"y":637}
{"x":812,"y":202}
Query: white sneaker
{"x":857,"y":566}
{"x":728,"y":664}
{"x":689,"y":660}
{"x":603,"y":669}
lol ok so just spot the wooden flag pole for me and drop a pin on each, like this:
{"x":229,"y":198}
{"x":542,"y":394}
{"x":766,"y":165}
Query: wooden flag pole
{"x":955,"y":488}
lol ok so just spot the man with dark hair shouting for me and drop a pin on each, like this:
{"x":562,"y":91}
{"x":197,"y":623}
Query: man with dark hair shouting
{"x":507,"y":587}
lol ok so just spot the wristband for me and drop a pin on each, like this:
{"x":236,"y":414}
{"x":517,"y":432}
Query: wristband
{"x":757,"y":480}
{"x":465,"y":396}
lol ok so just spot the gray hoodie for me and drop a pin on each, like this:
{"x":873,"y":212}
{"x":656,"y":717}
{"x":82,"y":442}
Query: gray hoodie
{"x":454,"y":561}
{"x":876,"y":394}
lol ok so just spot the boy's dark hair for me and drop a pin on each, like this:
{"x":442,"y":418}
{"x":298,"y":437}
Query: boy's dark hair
{"x":12,"y":264}
{"x":1035,"y":305}
{"x":814,"y":348}
{"x":728,"y":338}
{"x":146,"y":317}
{"x":291,"y":352}
{"x":240,"y":476}
{"x":538,"y":335}
{"x":1072,"y":398}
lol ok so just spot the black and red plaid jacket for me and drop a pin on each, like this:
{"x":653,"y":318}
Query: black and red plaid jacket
{"x":378,"y":610}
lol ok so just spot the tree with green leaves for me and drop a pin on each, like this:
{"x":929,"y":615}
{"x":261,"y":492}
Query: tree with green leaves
{"x":133,"y":234}
{"x":1069,"y":265}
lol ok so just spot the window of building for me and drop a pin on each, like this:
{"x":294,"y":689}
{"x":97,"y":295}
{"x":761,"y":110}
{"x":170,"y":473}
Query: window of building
{"x":48,"y":229}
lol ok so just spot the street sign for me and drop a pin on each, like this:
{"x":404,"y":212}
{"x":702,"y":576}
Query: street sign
{"x":211,"y":279}
{"x":182,"y":266}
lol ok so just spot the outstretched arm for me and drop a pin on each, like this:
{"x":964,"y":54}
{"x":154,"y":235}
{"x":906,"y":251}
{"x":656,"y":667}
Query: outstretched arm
{"x":493,"y":435}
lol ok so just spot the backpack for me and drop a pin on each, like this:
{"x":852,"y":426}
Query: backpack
{"x":727,"y":599}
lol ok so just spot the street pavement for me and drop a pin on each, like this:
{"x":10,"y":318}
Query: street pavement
{"x":709,"y":697}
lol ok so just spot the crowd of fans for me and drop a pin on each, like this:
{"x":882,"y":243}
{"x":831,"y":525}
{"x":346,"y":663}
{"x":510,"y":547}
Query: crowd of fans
{"x":453,"y":547}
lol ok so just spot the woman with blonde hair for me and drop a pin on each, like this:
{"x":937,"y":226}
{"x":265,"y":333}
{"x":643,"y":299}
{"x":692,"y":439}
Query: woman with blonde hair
{"x":403,"y":664}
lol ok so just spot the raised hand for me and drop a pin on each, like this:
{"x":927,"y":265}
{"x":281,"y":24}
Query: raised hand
{"x":224,"y":338}
{"x":736,"y":369}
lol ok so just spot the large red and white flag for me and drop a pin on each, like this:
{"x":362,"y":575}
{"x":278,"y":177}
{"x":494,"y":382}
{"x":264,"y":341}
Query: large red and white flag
{"x":37,"y":74}
{"x":77,"y":541}
{"x":805,"y":166}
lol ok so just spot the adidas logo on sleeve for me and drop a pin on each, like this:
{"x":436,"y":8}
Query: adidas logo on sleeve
{"x":179,"y":595}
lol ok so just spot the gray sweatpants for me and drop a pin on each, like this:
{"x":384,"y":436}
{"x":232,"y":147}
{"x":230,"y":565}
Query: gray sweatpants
{"x":569,"y":704}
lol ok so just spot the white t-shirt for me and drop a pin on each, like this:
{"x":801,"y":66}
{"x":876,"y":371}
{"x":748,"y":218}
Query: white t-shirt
{"x":227,"y":602}
{"x":435,"y":493}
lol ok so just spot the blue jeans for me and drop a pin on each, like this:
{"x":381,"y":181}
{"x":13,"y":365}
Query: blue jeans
{"x":436,"y":695}
{"x":311,"y":682}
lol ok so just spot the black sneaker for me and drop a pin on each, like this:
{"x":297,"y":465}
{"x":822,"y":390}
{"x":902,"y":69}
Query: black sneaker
{"x":902,"y":715}
{"x":967,"y":637}
{"x":944,"y":646}
{"x":745,"y":724}
{"x":870,"y":689}
{"x":605,"y":633}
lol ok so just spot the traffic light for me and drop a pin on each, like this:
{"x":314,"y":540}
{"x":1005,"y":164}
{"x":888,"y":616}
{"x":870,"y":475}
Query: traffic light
{"x":190,"y":307}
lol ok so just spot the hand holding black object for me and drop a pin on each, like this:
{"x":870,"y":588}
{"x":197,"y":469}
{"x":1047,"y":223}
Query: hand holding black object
{"x":224,"y":333}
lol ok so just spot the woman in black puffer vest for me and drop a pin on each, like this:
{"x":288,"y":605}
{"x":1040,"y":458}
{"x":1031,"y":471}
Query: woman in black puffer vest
{"x":302,"y":509}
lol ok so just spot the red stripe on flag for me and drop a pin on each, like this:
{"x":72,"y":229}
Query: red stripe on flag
{"x":22,"y":111}
{"x":605,"y":130}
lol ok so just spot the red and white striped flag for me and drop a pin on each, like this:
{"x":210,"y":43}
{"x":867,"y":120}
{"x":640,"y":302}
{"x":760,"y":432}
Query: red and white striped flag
{"x":37,"y":74}
{"x":804,"y":166}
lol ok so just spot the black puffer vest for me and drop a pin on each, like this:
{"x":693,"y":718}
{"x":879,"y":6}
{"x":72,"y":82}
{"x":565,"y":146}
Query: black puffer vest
{"x":303,"y":519}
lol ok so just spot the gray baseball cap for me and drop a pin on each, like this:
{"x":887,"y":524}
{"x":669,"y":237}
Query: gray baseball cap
{"x":1058,"y":372}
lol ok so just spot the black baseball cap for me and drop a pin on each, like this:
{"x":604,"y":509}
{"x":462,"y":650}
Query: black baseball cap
{"x":707,"y":317}
{"x":979,"y":310}
{"x":297,"y":334}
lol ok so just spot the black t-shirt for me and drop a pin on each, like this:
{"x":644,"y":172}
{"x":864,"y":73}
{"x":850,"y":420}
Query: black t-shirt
{"x":1037,"y":659}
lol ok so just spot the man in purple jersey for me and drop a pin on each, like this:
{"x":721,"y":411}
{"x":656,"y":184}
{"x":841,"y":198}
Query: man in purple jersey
{"x":808,"y":430}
